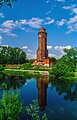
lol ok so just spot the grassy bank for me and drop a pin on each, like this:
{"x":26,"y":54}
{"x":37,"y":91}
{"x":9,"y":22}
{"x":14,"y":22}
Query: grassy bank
{"x":69,"y":78}
{"x":35,"y":73}
{"x":76,"y":74}
{"x":21,"y":73}
{"x":24,"y":72}
{"x":72,"y":76}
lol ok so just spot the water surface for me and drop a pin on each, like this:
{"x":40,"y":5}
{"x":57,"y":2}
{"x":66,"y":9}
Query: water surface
{"x":56,"y":98}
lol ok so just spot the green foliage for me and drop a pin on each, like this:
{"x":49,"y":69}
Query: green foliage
{"x":31,"y":61}
{"x":9,"y":55}
{"x":33,"y":111}
{"x":22,"y":73}
{"x":8,"y":2}
{"x":76,"y":74}
{"x":65,"y":66}
{"x":53,"y":59}
{"x":10,"y":106}
{"x":1,"y":68}
{"x":26,"y":66}
{"x":4,"y":86}
{"x":71,"y":58}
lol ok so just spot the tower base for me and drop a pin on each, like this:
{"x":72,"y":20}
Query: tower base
{"x":45,"y":62}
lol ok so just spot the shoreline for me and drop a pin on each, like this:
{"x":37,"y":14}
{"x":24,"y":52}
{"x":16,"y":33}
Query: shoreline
{"x":45,"y":73}
{"x":33,"y":73}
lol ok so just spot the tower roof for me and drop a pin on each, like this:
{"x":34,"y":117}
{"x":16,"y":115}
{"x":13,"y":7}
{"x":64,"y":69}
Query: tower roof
{"x":42,"y":29}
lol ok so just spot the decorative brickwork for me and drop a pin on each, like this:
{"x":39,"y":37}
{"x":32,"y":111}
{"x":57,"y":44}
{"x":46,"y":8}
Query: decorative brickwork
{"x":42,"y":52}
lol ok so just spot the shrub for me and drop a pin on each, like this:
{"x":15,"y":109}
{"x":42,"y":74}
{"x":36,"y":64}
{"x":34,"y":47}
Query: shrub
{"x":1,"y":68}
{"x":33,"y":111}
{"x":61,"y":70}
{"x":26,"y":66}
{"x":10,"y":106}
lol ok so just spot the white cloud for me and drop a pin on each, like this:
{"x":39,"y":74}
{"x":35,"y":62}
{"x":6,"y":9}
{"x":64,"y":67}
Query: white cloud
{"x":35,"y":22}
{"x":49,"y":47}
{"x":47,"y":1}
{"x":7,"y":31}
{"x":53,"y":55}
{"x":48,"y":12}
{"x":60,"y":0}
{"x":49,"y":21}
{"x":28,"y":52}
{"x":23,"y":22}
{"x":1,"y":15}
{"x":70,"y":29}
{"x":61,"y":23}
{"x":9,"y":25}
{"x":74,"y":10}
{"x":69,"y":7}
{"x":72,"y":20}
{"x":0,"y":39}
{"x":31,"y":56}
{"x":5,"y":45}
{"x":25,"y":47}
{"x":58,"y":51}
{"x":61,"y":48}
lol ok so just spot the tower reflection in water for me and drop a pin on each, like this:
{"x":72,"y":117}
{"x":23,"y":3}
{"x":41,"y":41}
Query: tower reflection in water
{"x":42,"y":84}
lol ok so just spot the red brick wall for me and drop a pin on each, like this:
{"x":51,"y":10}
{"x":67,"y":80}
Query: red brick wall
{"x":42,"y":52}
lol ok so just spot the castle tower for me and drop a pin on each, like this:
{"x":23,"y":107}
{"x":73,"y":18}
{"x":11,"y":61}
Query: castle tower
{"x":42,"y":52}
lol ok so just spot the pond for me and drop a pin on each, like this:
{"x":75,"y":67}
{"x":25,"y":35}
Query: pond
{"x":56,"y":98}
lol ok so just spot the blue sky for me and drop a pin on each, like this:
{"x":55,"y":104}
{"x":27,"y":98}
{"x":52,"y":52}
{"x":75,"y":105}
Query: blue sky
{"x":19,"y":26}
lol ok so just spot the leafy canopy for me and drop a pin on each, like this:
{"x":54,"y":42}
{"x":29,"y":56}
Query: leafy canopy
{"x":67,"y":65}
{"x":9,"y":55}
{"x":8,"y":2}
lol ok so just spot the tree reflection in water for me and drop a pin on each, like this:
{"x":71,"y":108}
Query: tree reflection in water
{"x":42,"y":84}
{"x":11,"y":81}
{"x":68,"y":87}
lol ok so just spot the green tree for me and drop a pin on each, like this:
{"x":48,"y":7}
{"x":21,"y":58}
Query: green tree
{"x":65,"y":66}
{"x":53,"y":59}
{"x":8,"y":2}
{"x":31,"y":61}
{"x":71,"y":57}
{"x":1,"y":68}
{"x":9,"y":55}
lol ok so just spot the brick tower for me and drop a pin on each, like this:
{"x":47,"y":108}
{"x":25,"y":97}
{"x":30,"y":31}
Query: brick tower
{"x":42,"y":52}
